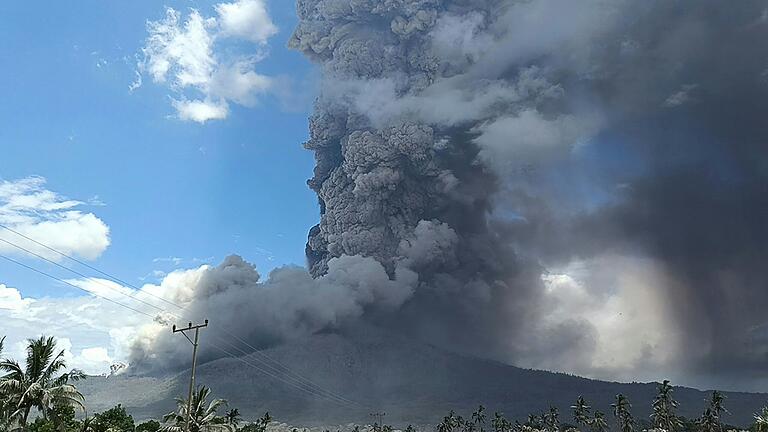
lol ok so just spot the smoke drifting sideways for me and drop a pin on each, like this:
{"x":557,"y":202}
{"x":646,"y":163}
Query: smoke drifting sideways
{"x":289,"y":304}
{"x":560,"y":185}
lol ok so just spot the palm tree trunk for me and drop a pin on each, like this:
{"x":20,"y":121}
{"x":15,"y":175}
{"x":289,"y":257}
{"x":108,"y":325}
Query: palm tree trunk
{"x":24,"y":418}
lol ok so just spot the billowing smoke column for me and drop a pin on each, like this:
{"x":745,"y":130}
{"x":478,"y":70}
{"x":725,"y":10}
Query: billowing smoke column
{"x":400,"y":176}
{"x":402,"y":187}
{"x":618,"y":143}
{"x":578,"y":186}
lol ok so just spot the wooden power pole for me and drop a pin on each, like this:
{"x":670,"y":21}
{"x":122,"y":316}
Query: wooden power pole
{"x":194,"y":343}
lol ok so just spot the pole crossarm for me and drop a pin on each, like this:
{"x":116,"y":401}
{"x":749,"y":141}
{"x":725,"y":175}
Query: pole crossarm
{"x":189,"y":327}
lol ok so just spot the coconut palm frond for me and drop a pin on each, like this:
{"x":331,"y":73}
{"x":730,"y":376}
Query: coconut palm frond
{"x":42,"y":384}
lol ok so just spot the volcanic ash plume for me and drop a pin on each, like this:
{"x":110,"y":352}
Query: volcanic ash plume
{"x":567,"y":185}
{"x":411,"y":92}
{"x":289,"y":304}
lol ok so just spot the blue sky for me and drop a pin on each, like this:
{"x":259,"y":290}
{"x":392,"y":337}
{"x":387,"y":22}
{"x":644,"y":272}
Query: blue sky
{"x":171,"y":188}
{"x":151,"y":138}
{"x":173,"y":193}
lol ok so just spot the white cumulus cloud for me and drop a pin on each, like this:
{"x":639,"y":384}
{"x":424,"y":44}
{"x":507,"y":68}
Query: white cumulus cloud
{"x":83,"y":326}
{"x":190,"y":55}
{"x":95,"y":331}
{"x":247,"y":19}
{"x":201,"y":110}
{"x":11,"y":300}
{"x":26,"y":206}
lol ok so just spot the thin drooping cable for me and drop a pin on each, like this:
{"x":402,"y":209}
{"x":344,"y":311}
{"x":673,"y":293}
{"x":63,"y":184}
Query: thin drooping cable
{"x":166,"y":325}
{"x":296,"y":386}
{"x":74,"y":286}
{"x":303,"y":383}
{"x":84,"y":264}
{"x":286,"y":369}
{"x":81,"y":275}
{"x":278,"y":367}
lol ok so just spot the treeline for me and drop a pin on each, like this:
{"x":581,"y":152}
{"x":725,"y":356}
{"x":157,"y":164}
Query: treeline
{"x":664,"y":418}
{"x":41,"y":396}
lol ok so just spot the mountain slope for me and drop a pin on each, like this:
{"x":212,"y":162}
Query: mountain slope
{"x":411,"y":381}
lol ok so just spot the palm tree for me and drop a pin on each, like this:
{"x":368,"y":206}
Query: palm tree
{"x":449,"y":423}
{"x":717,"y":407}
{"x":708,"y":421}
{"x":621,"y":410}
{"x":500,"y":424}
{"x":534,"y":421}
{"x":552,"y":420}
{"x":264,"y":421}
{"x":40,"y":384}
{"x":598,"y":423}
{"x":4,"y":407}
{"x":204,"y":416}
{"x":664,"y":407}
{"x":478,"y":417}
{"x":465,"y":425}
{"x":445,"y":425}
{"x":233,"y":417}
{"x":761,"y":420}
{"x":581,"y":411}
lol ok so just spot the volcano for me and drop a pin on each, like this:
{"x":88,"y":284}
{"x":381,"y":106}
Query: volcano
{"x":412,"y":382}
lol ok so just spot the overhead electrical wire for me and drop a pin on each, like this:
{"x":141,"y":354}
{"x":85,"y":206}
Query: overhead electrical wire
{"x":288,"y":377}
{"x":73,"y":285}
{"x":97,"y":281}
{"x":82,"y":263}
{"x":284,"y":369}
{"x":218,"y":347}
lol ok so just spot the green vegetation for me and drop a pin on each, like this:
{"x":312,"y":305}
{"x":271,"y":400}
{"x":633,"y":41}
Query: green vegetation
{"x":761,"y":421}
{"x":149,"y":426}
{"x":114,"y":419}
{"x":662,"y":419}
{"x":621,"y":411}
{"x":41,"y":384}
{"x":204,"y":415}
{"x":664,"y":408}
{"x":41,"y":396}
{"x":259,"y":425}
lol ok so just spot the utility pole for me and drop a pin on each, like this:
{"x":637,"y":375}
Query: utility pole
{"x":379,"y":422}
{"x":196,"y":328}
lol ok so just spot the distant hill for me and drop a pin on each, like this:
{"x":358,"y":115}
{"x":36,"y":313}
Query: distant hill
{"x":411,"y":381}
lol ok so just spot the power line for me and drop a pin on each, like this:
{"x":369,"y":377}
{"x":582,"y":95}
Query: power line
{"x":82,"y":263}
{"x":81,"y":275}
{"x":296,"y":386}
{"x":305,"y":383}
{"x":311,"y":387}
{"x":286,"y":369}
{"x":279,"y":368}
{"x":166,"y":325}
{"x":74,"y":286}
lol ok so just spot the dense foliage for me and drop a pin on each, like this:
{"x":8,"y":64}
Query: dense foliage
{"x":114,"y":419}
{"x":43,"y":384}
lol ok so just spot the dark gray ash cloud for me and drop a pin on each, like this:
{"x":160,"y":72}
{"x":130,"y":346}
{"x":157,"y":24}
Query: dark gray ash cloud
{"x":580,"y":186}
